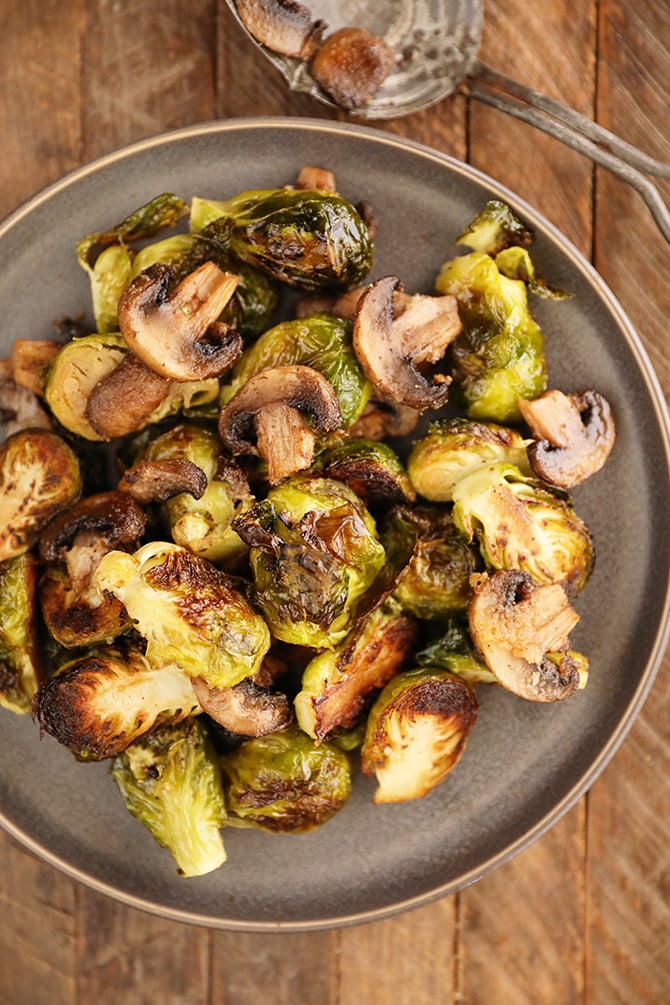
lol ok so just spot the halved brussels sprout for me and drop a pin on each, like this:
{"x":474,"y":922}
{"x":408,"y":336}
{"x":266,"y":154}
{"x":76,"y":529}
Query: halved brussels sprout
{"x":338,"y":685}
{"x":520,"y":524}
{"x":21,"y":668}
{"x":99,"y":703}
{"x":285,"y":782}
{"x":39,"y":477}
{"x":496,"y":227}
{"x":452,"y":649}
{"x":305,"y":238}
{"x":453,"y":448}
{"x":372,"y":469}
{"x":171,"y":782}
{"x":190,"y":613}
{"x":416,"y":733}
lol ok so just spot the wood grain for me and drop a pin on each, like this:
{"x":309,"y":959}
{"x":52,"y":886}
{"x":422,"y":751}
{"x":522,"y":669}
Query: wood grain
{"x":582,"y":916}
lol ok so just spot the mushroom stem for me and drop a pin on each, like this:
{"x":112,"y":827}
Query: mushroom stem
{"x":284,"y":440}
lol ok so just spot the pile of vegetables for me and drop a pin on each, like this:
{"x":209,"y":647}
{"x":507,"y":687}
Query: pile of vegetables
{"x":245,"y":547}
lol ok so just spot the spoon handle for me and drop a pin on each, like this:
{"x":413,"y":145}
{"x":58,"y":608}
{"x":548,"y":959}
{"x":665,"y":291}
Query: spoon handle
{"x":576,"y":131}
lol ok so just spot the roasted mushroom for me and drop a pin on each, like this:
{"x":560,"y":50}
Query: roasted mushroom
{"x":124,"y":400}
{"x":177,"y":333}
{"x":574,"y":435}
{"x":392,"y":350}
{"x":245,"y":708}
{"x":160,"y":480}
{"x":21,"y":408}
{"x":521,"y":629}
{"x":284,"y":26}
{"x":273,"y":403}
{"x":30,"y":359}
{"x":351,"y":65}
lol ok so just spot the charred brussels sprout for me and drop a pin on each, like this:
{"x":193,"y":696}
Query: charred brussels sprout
{"x":416,"y":733}
{"x":499,"y":355}
{"x":373,"y":470}
{"x":203,"y":524}
{"x":97,"y":704}
{"x":285,"y":783}
{"x":305,"y":238}
{"x":452,"y":649}
{"x":171,"y":782}
{"x":453,"y":448}
{"x":20,"y":663}
{"x":320,"y":341}
{"x":190,"y":613}
{"x":338,"y":685}
{"x":520,"y":524}
{"x":494,"y":229}
{"x":39,"y":477}
{"x":314,"y":553}
{"x":437,"y":580}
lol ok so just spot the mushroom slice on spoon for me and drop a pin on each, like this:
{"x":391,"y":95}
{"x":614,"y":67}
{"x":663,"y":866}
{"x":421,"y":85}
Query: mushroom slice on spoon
{"x":176,"y":333}
{"x":274,"y":405}
{"x":521,"y":629}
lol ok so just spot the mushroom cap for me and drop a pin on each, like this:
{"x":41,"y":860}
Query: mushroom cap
{"x":244,"y":708}
{"x":284,"y":26}
{"x":574,"y":435}
{"x":384,"y":348}
{"x":159,"y":480}
{"x":112,"y":516}
{"x":515,"y":623}
{"x":177,"y":333}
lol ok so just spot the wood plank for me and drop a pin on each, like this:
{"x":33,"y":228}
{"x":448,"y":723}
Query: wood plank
{"x":522,"y":927}
{"x":37,"y":930}
{"x":629,"y":857}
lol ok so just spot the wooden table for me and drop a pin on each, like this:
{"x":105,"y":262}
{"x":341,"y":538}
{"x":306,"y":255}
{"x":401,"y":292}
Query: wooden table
{"x":582,"y":916}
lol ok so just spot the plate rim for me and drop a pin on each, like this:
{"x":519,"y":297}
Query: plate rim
{"x":656,"y":399}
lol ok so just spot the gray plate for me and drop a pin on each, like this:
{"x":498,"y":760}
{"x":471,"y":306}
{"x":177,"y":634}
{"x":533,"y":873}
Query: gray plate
{"x":525,"y":764}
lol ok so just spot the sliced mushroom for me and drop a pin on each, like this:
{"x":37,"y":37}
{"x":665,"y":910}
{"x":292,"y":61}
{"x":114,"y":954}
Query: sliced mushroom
{"x":382,"y":419}
{"x":521,"y":629}
{"x":574,"y":435}
{"x":20,"y":408}
{"x":351,"y":65}
{"x":272,"y":403}
{"x":124,"y":399}
{"x":316,"y":178}
{"x":177,"y":334}
{"x":157,"y":481}
{"x":284,"y":26}
{"x":109,"y":520}
{"x":390,"y":350}
{"x":244,"y":708}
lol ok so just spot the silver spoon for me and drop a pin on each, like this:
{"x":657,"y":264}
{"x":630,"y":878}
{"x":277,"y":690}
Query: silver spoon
{"x":437,"y":42}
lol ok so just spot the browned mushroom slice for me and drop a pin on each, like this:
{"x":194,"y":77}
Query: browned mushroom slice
{"x":244,"y":708}
{"x":390,"y":350}
{"x":157,"y":481}
{"x":273,"y":404}
{"x":574,"y":435}
{"x":110,"y":519}
{"x":123,"y":400}
{"x":284,"y":26}
{"x":382,"y":419}
{"x":351,"y":65}
{"x":29,"y":361}
{"x":20,"y":408}
{"x":177,"y":333}
{"x":310,"y":177}
{"x":521,"y":629}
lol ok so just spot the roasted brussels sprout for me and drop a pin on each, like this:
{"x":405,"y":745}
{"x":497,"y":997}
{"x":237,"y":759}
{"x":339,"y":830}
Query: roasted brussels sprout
{"x":190,"y":613}
{"x":499,"y":355}
{"x":99,"y":703}
{"x":496,"y":227}
{"x":21,"y":668}
{"x":314,"y":552}
{"x":285,"y":782}
{"x":453,"y":448}
{"x":305,"y":238}
{"x":320,"y":341}
{"x":373,"y":470}
{"x":39,"y":477}
{"x":170,"y":780}
{"x":203,"y":525}
{"x":452,"y":649}
{"x":436,"y":582}
{"x":338,"y":685}
{"x":416,"y":733}
{"x":522,"y":630}
{"x":520,"y":524}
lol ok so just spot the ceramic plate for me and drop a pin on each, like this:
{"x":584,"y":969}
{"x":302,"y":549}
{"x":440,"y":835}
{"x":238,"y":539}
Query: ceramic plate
{"x":525,"y":764}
